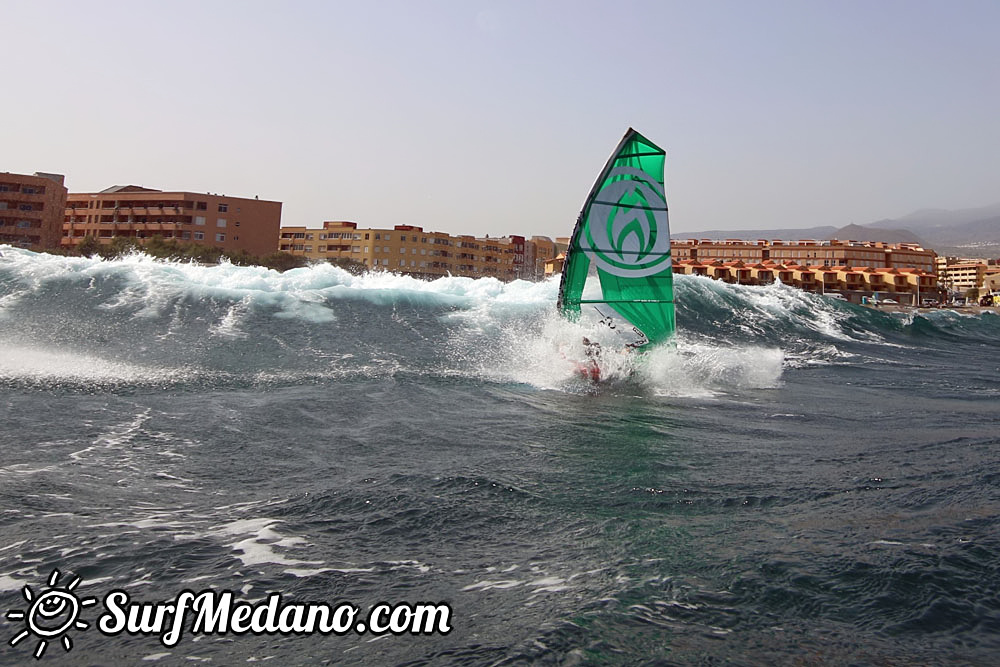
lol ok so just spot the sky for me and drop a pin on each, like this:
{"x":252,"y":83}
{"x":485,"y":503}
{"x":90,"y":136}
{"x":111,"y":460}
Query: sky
{"x":496,"y":116}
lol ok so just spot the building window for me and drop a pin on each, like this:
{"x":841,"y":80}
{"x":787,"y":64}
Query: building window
{"x":309,"y":236}
{"x":186,"y":235}
{"x":423,"y":240}
{"x":28,"y":190}
{"x":309,"y":248}
{"x":366,"y":249}
{"x":378,"y":237}
{"x":414,"y":251}
{"x":385,"y":262}
{"x":322,"y":237}
{"x":199,"y":236}
{"x":367,"y":235}
{"x":221,"y":222}
{"x":201,"y":206}
{"x":223,"y":208}
{"x":220,"y":237}
{"x":237,"y":223}
{"x":402,"y":251}
{"x":356,"y":248}
{"x":199,"y":220}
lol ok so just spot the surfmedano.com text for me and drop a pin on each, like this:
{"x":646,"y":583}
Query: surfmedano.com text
{"x":218,"y":613}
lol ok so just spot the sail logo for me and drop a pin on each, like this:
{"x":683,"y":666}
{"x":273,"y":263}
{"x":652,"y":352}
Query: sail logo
{"x":626,"y":233}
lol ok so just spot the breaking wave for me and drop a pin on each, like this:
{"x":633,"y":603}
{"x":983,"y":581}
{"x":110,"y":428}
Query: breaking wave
{"x":138,"y":320}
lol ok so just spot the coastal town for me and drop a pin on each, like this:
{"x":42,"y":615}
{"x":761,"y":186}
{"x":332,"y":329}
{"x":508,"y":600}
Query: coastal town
{"x":476,"y":333}
{"x":38,"y":212}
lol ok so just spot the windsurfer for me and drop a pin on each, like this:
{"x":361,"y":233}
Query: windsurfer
{"x":591,"y":370}
{"x":623,"y":234}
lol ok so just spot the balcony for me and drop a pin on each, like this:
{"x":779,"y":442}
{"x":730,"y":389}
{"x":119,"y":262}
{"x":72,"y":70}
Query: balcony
{"x":32,"y":214}
{"x":20,"y":197}
{"x":18,"y":231}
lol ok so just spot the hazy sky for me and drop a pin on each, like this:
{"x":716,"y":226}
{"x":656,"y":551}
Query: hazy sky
{"x":490,"y":116}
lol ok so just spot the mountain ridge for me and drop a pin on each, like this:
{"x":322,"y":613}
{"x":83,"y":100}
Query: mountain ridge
{"x":933,"y":228}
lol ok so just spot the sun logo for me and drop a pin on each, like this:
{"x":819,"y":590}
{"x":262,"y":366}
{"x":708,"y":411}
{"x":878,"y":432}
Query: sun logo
{"x":51,"y":614}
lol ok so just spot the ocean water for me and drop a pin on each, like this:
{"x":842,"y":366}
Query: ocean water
{"x":796,"y":480}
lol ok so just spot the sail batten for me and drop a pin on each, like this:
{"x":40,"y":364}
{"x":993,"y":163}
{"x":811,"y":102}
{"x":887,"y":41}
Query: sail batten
{"x":623,"y":233}
{"x":625,"y":301}
{"x":644,"y":208}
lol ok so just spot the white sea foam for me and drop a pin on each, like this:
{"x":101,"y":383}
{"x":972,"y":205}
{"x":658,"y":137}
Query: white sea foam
{"x":13,"y":545}
{"x":10,"y":584}
{"x":423,"y":568}
{"x":696,"y":368}
{"x":549,"y":585}
{"x":260,"y":542}
{"x":488,"y":585}
{"x":229,"y":326}
{"x":145,"y":279}
{"x":39,"y":364}
{"x":551,"y":355}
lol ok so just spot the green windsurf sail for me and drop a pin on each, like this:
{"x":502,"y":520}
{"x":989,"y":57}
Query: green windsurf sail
{"x":623,"y":232}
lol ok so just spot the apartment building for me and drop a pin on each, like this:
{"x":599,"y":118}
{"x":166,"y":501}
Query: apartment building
{"x":991,"y":282}
{"x":941,"y":262}
{"x":31,"y":210}
{"x":229,"y":223}
{"x":541,"y":251}
{"x":908,"y":285}
{"x":961,"y":277}
{"x":827,"y":253}
{"x":412,"y":250}
{"x":555,"y":265}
